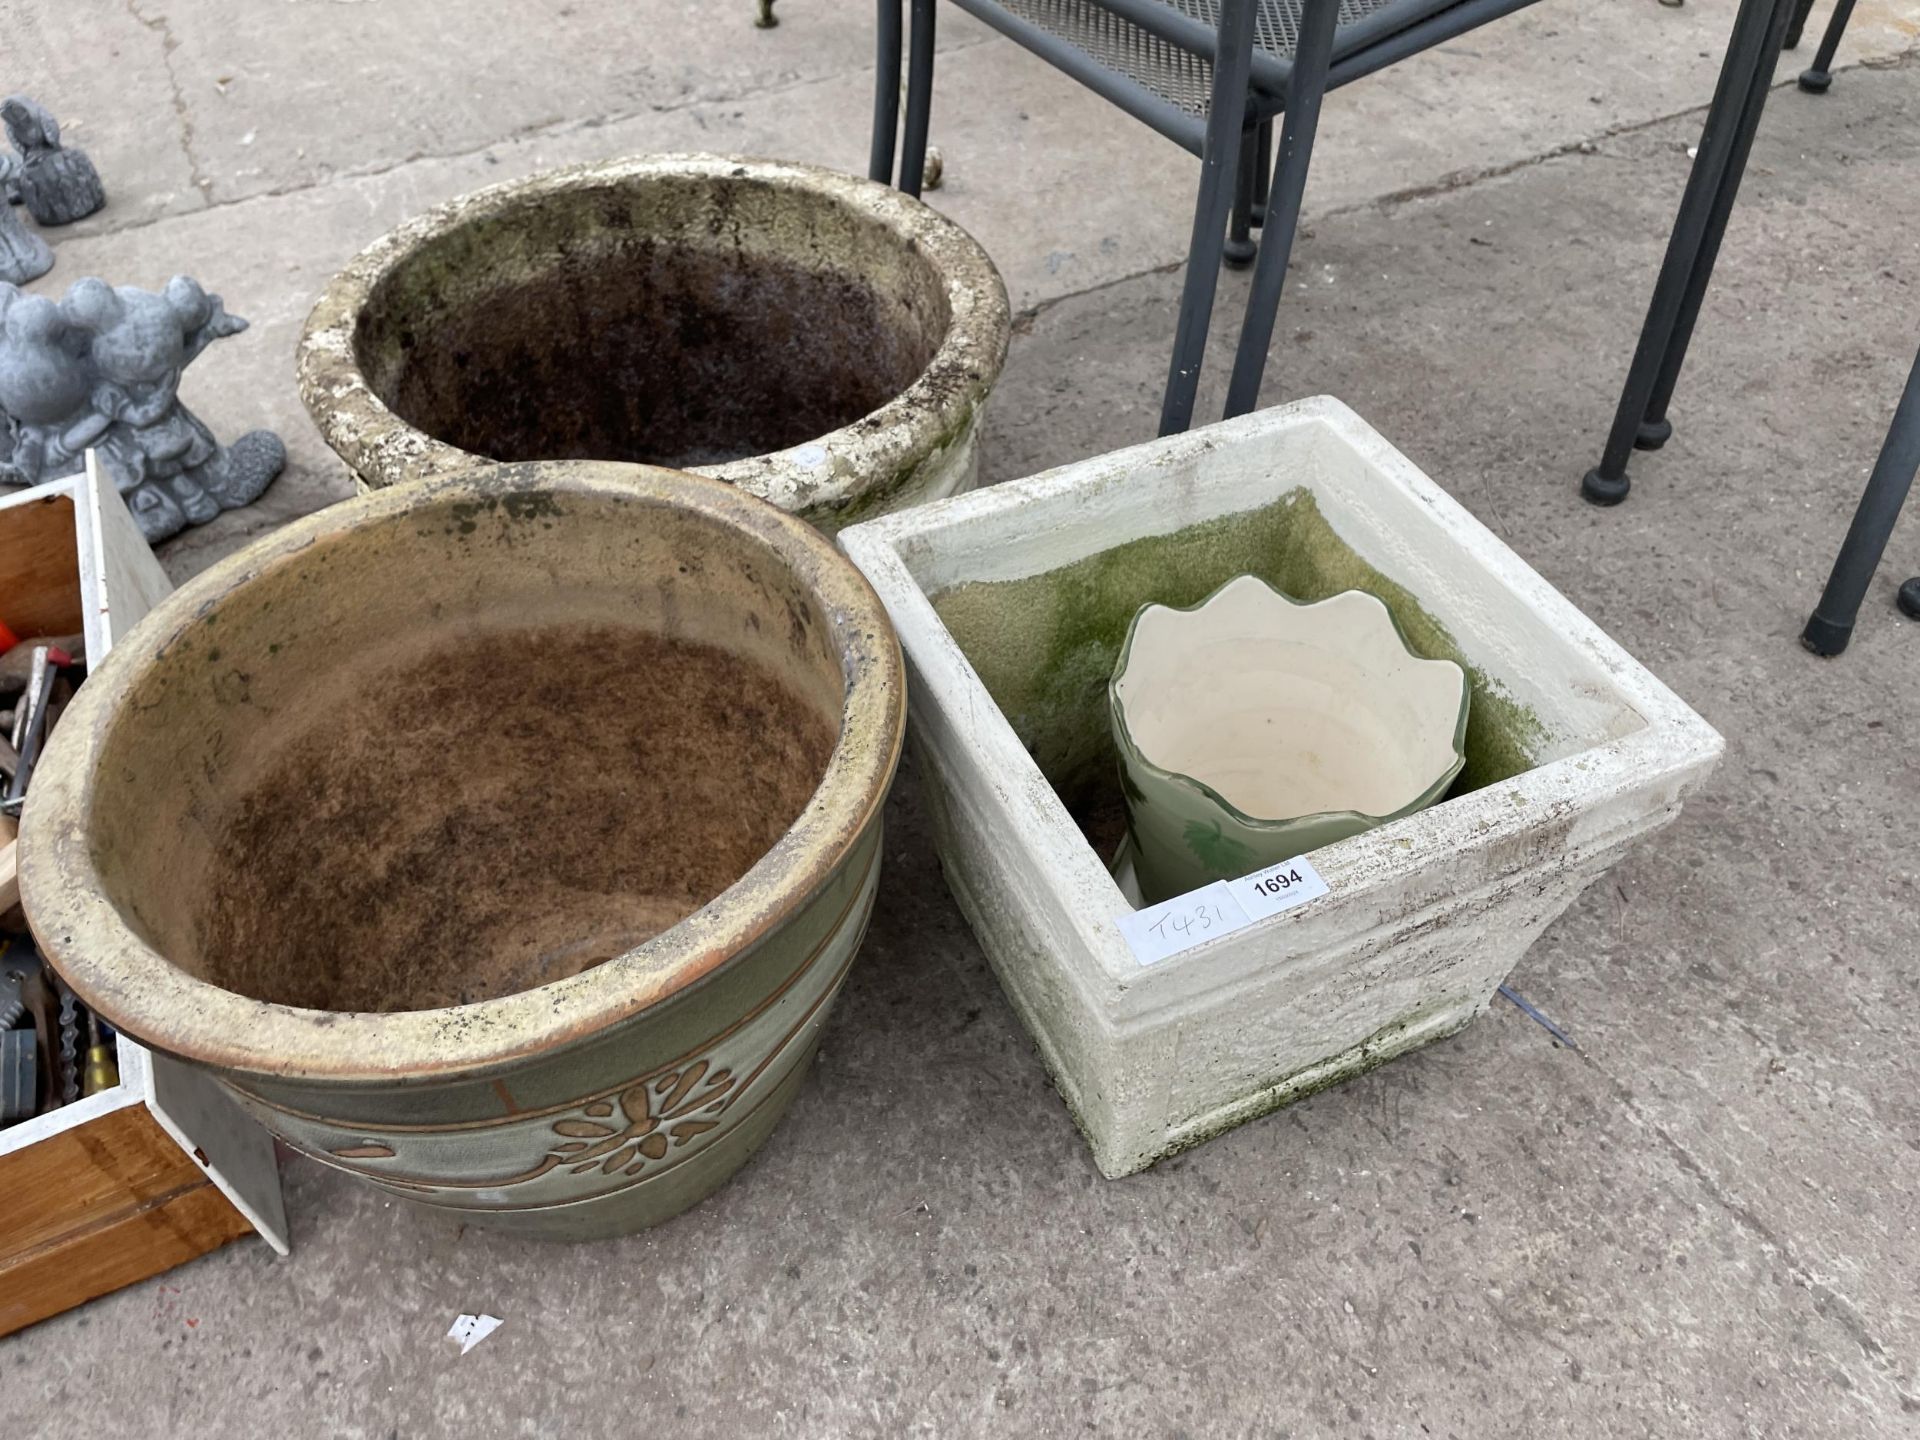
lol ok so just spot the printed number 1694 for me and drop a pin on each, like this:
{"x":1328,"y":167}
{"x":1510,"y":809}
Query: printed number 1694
{"x":1279,"y":882}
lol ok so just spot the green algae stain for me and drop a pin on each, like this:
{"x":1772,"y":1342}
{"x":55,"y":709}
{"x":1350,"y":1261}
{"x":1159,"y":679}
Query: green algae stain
{"x":1045,"y":645}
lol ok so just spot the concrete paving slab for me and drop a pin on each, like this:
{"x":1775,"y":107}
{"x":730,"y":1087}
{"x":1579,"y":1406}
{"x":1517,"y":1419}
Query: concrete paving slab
{"x":1475,"y":1241}
{"x":284,"y":96}
{"x":107,"y":76}
{"x":1737,"y":985}
{"x":1119,"y":196}
{"x":277,"y":99}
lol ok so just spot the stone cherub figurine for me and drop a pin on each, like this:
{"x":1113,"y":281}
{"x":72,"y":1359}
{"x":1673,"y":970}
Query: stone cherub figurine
{"x":57,"y":185}
{"x":101,"y":369}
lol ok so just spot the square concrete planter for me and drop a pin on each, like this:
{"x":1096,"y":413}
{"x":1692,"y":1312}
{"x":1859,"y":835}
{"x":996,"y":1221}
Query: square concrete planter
{"x":1011,"y":604}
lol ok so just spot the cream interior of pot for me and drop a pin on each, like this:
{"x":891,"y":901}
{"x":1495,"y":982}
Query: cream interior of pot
{"x":676,"y":320}
{"x":465,"y":751}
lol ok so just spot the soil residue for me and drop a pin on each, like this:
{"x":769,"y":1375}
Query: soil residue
{"x":644,"y":352}
{"x":508,"y":810}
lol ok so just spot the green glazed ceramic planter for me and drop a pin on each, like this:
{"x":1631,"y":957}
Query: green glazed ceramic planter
{"x":501,"y":839}
{"x":1252,"y":728}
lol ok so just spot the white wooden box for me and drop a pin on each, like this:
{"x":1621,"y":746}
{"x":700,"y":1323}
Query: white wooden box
{"x":1017,"y":594}
{"x":120,"y":1185}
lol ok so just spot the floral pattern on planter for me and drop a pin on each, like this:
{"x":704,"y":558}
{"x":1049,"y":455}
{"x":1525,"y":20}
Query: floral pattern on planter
{"x":641,"y":1140}
{"x":643,"y":1123}
{"x":626,"y":1132}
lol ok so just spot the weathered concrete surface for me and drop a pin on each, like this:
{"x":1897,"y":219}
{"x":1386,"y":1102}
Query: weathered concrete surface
{"x":1736,"y":987}
{"x":1036,"y":165}
{"x":1703,"y":1224}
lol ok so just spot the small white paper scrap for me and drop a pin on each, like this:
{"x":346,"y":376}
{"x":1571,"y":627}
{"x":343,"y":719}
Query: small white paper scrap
{"x":1182,"y":922}
{"x":470,"y":1330}
{"x":1278,"y":887}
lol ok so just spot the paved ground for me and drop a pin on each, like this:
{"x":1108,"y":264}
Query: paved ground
{"x":1706,"y":1222}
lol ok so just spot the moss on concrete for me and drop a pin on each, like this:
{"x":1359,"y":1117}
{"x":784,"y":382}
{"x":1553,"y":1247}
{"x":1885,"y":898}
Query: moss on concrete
{"x":1045,"y":645}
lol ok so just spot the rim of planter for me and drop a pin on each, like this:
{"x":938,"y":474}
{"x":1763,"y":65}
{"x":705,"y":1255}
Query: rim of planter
{"x":113,"y":969}
{"x":359,"y":427}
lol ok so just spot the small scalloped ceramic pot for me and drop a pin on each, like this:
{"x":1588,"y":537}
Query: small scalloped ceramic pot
{"x":1253,"y":728}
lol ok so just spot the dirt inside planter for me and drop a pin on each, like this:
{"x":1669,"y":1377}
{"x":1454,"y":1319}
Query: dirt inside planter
{"x":494,"y":814}
{"x":624,"y":347}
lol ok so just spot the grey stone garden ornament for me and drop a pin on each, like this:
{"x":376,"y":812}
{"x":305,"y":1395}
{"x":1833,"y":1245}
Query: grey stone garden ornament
{"x":57,"y":185}
{"x":24,"y":255}
{"x":101,"y":370}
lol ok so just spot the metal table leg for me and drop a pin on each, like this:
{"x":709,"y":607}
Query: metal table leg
{"x":1219,"y":160}
{"x":1751,"y":53}
{"x":1313,"y":56}
{"x":1262,"y":170}
{"x":886,"y":92}
{"x":1240,"y":247}
{"x":1801,"y":9}
{"x":1831,"y":625}
{"x":913,"y":150}
{"x":1815,"y":79}
{"x":1654,"y":429}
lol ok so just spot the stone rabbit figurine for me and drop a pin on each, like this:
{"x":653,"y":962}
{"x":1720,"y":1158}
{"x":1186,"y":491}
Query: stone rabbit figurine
{"x":57,"y":185}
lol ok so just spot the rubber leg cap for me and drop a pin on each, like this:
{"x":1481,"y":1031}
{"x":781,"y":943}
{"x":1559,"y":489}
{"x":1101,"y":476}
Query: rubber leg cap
{"x":1908,"y":598}
{"x":1599,"y":490}
{"x":1825,"y":637}
{"x":1815,"y":82}
{"x":1652,"y":434}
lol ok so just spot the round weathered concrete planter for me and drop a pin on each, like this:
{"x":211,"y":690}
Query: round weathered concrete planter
{"x":502,"y":839}
{"x":820,"y":341}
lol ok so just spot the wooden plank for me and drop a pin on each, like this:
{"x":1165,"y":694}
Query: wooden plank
{"x":127,"y":580}
{"x":232,"y":1146}
{"x":71,"y":1181}
{"x":122,"y":1248}
{"x":9,"y":869}
{"x":117,"y":1187}
{"x":40,"y":567}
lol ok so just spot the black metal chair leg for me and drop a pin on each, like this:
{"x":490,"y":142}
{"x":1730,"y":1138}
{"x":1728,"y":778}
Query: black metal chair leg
{"x":1226,"y":119}
{"x":1240,"y":247}
{"x":1655,"y":429}
{"x":1801,"y":9}
{"x":1262,"y":170}
{"x":1308,"y":84}
{"x":1751,"y":51}
{"x":1819,"y":76}
{"x":1831,"y":625}
{"x":886,"y":92}
{"x":913,"y":152}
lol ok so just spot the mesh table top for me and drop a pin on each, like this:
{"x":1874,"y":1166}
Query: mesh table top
{"x":1179,"y":77}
